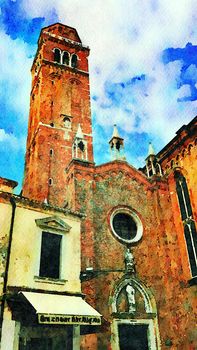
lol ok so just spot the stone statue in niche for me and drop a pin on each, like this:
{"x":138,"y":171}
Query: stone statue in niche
{"x":129,"y":261}
{"x":131,"y":297}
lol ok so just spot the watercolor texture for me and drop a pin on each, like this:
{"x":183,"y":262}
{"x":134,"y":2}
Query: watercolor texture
{"x":98,"y":241}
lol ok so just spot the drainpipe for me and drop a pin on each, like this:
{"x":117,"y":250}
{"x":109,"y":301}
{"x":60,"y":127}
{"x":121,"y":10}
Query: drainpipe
{"x":13,"y":203}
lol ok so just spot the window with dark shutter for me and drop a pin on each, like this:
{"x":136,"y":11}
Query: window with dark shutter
{"x":50,"y":255}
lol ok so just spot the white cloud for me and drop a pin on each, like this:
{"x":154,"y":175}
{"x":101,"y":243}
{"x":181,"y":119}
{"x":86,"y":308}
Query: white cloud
{"x":184,"y":91}
{"x":11,"y":141}
{"x":15,"y":73}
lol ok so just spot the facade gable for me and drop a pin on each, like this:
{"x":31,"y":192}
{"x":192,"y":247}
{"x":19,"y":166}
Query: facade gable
{"x":53,"y":223}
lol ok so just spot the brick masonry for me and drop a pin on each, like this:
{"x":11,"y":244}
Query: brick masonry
{"x":161,"y":256}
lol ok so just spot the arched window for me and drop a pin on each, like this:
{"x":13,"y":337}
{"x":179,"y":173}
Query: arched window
{"x":67,"y":122}
{"x":79,"y":149}
{"x":190,"y":148}
{"x":57,"y":56}
{"x":132,"y":329}
{"x":81,"y":146}
{"x":74,"y":61}
{"x":191,"y":241}
{"x":188,"y":221}
{"x":172,"y":163}
{"x":66,"y":58}
{"x":183,"y":196}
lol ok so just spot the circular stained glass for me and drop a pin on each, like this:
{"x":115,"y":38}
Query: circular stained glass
{"x":124,"y":226}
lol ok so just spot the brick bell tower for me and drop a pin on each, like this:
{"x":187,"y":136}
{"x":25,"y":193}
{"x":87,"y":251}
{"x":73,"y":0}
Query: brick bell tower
{"x":60,"y":119}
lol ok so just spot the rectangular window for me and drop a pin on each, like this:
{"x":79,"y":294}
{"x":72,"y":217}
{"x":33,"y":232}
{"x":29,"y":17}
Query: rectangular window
{"x":50,"y":255}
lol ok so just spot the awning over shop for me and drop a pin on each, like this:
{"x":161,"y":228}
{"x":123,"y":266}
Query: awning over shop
{"x":62,"y":309}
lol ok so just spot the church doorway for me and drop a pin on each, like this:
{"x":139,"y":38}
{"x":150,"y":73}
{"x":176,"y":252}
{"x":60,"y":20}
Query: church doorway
{"x":133,"y":337}
{"x":36,"y":343}
{"x":134,"y":325}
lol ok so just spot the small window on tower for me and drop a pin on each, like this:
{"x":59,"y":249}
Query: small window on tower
{"x":67,"y":122}
{"x":118,"y":145}
{"x":81,"y":146}
{"x":57,"y":56}
{"x":50,"y":182}
{"x":66,"y":58}
{"x":74,"y":61}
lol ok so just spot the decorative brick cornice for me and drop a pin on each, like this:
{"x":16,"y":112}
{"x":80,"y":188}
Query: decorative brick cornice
{"x":182,"y":135}
{"x":26,"y":202}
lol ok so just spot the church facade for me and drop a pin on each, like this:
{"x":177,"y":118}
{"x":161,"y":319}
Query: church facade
{"x":127,"y":236}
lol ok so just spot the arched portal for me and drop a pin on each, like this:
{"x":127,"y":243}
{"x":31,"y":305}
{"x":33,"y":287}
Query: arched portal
{"x":134,"y":325}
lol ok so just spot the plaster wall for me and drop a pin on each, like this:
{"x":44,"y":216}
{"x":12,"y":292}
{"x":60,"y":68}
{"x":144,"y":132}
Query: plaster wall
{"x":26,"y":248}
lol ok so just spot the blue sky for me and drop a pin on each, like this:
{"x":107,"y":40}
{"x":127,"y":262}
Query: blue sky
{"x":143,"y":70}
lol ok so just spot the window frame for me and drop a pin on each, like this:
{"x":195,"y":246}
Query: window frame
{"x":152,"y":333}
{"x":68,"y":58}
{"x":60,"y":55}
{"x":59,"y":256}
{"x":54,"y":225}
{"x":135,"y":218}
{"x":74,"y":63}
{"x":189,"y":227}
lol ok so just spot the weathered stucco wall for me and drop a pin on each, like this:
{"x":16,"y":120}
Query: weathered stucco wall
{"x":26,"y":250}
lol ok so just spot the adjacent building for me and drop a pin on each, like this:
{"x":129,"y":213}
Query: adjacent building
{"x":122,"y":237}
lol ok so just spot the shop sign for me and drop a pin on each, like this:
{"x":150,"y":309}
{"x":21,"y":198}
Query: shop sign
{"x":69,"y":319}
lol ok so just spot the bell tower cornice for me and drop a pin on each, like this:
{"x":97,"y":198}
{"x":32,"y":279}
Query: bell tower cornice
{"x":65,"y":36}
{"x":66,"y":40}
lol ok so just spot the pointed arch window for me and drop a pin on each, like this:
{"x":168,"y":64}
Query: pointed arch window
{"x":183,"y":196}
{"x":191,"y":241}
{"x":188,"y":221}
